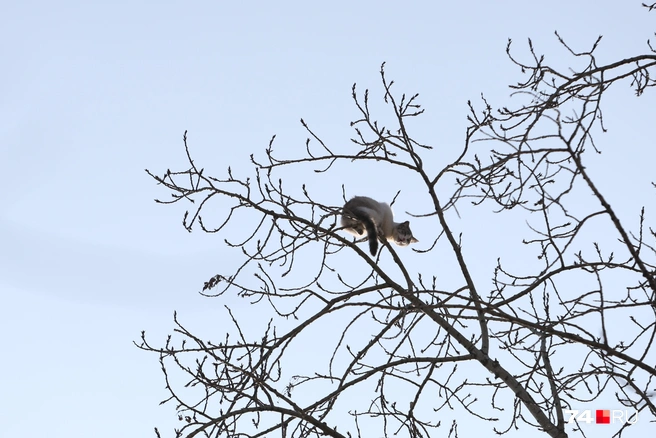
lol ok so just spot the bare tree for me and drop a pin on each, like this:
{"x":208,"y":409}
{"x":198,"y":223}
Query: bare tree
{"x":518,"y":351}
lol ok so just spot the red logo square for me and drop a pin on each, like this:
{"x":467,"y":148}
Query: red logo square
{"x":603,"y":416}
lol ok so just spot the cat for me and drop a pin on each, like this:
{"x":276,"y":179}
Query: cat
{"x":362,"y":214}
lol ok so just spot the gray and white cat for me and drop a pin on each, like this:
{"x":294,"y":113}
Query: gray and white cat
{"x":363,"y":215}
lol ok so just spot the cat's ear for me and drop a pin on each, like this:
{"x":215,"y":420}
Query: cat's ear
{"x":413,"y":240}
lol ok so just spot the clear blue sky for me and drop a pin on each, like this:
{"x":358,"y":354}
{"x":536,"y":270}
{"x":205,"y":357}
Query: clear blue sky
{"x":94,"y":92}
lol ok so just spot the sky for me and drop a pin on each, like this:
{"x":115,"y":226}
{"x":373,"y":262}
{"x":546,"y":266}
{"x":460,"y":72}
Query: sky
{"x":95,"y":92}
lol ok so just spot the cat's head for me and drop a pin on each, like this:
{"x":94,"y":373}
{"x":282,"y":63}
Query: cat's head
{"x":402,"y":234}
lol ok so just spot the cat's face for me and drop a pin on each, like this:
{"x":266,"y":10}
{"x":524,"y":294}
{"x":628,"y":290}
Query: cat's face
{"x":402,"y":234}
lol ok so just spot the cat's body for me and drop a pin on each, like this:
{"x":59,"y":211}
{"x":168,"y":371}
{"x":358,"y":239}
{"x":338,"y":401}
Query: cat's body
{"x":365,"y":216}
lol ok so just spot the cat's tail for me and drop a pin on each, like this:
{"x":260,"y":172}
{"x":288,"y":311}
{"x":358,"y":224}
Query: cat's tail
{"x":370,"y":226}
